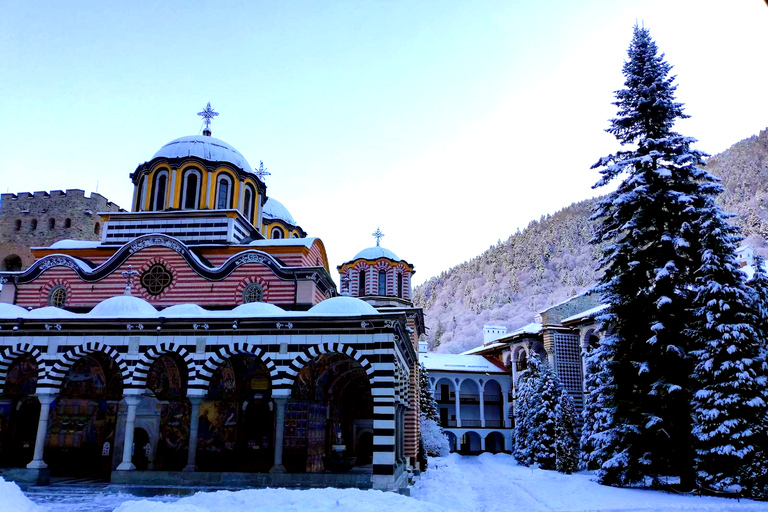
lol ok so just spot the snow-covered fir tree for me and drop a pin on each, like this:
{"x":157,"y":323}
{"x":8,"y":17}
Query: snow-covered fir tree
{"x":651,"y":251}
{"x":759,"y":286}
{"x":526,"y":403}
{"x":543,"y":431}
{"x":566,"y":434}
{"x":596,"y":415}
{"x":729,"y":402}
{"x":427,"y":403}
{"x":433,"y":438}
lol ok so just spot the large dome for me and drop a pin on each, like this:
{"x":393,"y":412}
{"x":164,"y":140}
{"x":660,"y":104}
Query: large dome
{"x":205,"y":147}
{"x":275,"y":210}
{"x":374,"y":253}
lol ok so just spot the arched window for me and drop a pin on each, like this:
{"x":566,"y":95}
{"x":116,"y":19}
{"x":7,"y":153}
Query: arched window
{"x":191,"y":189}
{"x":295,"y":235}
{"x":248,"y":203}
{"x":253,"y":293}
{"x":58,"y":296}
{"x":34,"y":224}
{"x":159,"y":190}
{"x":361,"y":287}
{"x":18,"y":225}
{"x":277,"y":233}
{"x":12,"y":262}
{"x":223,"y":192}
{"x":382,"y":283}
{"x":67,"y":223}
{"x":96,"y":228}
{"x":51,"y":223}
{"x":140,"y":195}
{"x":400,"y":285}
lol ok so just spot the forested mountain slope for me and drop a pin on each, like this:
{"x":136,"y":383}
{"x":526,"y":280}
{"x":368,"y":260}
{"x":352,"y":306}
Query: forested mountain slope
{"x":551,"y":260}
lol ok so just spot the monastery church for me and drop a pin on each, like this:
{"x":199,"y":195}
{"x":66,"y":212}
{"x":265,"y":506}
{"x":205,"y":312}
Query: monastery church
{"x":201,"y":340}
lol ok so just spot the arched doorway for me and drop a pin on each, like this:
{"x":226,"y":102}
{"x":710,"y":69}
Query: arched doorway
{"x":451,"y":440}
{"x":19,"y":413}
{"x":168,"y":383}
{"x":12,"y":263}
{"x":330,"y":403}
{"x":470,"y":443}
{"x":493,"y":404}
{"x":83,"y":418}
{"x":494,"y":442}
{"x":237,"y":419}
{"x":445,"y":396}
{"x":141,"y":449}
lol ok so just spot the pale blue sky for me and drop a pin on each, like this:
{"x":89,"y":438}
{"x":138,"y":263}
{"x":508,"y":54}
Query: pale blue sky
{"x":448,"y":124}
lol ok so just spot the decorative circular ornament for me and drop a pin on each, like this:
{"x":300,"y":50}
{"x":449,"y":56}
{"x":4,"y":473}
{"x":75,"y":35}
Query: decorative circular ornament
{"x":253,"y":293}
{"x":156,"y":279}
{"x":58,"y":296}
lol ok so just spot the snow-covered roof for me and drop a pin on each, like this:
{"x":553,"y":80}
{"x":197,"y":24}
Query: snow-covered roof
{"x":458,"y":363}
{"x":75,"y":244}
{"x":130,"y":306}
{"x":204,"y":147}
{"x":532,"y":328}
{"x":374,"y":253}
{"x":750,"y":270}
{"x":482,"y":348}
{"x":586,"y":314}
{"x":343,"y":306}
{"x":274,"y":209}
{"x":285,"y":242}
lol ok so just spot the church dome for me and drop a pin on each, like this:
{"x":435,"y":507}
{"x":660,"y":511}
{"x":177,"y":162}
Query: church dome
{"x":274,"y":209}
{"x":203,"y":147}
{"x":374,"y":253}
{"x":123,"y":306}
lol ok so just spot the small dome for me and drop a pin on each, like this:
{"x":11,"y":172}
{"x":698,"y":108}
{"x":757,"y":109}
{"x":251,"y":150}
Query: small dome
{"x":342,"y":306}
{"x":374,"y":253}
{"x":124,"y":306}
{"x":184,"y":311}
{"x":11,"y":311}
{"x":255,"y":309}
{"x":206,"y":148}
{"x":49,"y":312}
{"x":274,"y":209}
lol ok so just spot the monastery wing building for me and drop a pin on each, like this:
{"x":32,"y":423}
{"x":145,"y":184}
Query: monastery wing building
{"x":202,"y":341}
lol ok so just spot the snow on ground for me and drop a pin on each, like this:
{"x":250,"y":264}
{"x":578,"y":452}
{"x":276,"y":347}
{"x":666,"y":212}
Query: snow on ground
{"x":490,"y":483}
{"x":13,"y":500}
{"x":487,"y":483}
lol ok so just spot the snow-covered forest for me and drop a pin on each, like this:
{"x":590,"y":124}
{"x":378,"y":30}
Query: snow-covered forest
{"x":551,"y":260}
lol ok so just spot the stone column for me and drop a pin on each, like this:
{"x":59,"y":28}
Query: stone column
{"x":458,"y":406}
{"x":42,"y":431}
{"x":280,"y":402}
{"x":194,"y":422}
{"x":482,"y":405}
{"x":130,"y":423}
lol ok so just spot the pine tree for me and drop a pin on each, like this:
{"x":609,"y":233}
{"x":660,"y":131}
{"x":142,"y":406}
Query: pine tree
{"x":566,"y":435}
{"x":544,"y":429}
{"x":651,"y":251}
{"x":729,"y":403}
{"x":427,"y":403}
{"x":526,"y":401}
{"x":596,"y":415}
{"x":759,"y":286}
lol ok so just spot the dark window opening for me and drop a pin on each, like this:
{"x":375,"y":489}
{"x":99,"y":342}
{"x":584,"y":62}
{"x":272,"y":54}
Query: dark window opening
{"x":400,"y":285}
{"x":160,"y":193}
{"x":51,"y":223}
{"x":67,"y":223}
{"x":222,"y":203}
{"x":34,"y":224}
{"x":18,"y":225}
{"x":96,"y":228}
{"x":361,"y":290}
{"x":382,"y":283}
{"x":12,"y":262}
{"x":190,"y":193}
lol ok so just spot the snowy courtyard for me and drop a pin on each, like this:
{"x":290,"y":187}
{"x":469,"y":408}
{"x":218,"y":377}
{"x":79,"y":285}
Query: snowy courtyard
{"x":487,"y":483}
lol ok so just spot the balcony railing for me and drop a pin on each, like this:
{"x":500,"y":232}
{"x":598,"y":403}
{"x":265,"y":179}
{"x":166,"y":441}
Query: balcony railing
{"x":449,"y":423}
{"x":469,"y":398}
{"x":445,"y":399}
{"x":494,"y":423}
{"x":470,"y":423}
{"x":492,"y":399}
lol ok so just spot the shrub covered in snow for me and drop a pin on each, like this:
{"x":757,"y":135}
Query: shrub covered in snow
{"x":433,"y":438}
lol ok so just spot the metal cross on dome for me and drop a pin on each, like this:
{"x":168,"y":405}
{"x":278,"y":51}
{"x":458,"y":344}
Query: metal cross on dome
{"x":261,"y":172}
{"x":129,"y":275}
{"x":207,"y":114}
{"x":378,"y":235}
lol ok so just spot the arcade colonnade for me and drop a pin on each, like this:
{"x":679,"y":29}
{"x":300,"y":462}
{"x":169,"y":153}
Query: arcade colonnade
{"x":371,"y":364}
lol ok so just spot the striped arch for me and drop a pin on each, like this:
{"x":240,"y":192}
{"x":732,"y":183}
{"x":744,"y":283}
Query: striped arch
{"x":139,"y":378}
{"x":14,"y":352}
{"x":61,"y":367}
{"x":238,"y":297}
{"x":327,"y":348}
{"x":247,"y":349}
{"x":45,"y":291}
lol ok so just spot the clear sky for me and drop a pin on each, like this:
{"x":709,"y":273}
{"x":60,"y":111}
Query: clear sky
{"x":449,"y":124}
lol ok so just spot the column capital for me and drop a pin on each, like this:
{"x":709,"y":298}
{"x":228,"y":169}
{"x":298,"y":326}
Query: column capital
{"x":281,"y":399}
{"x":196,"y":399}
{"x":132,"y":399}
{"x":46,"y":398}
